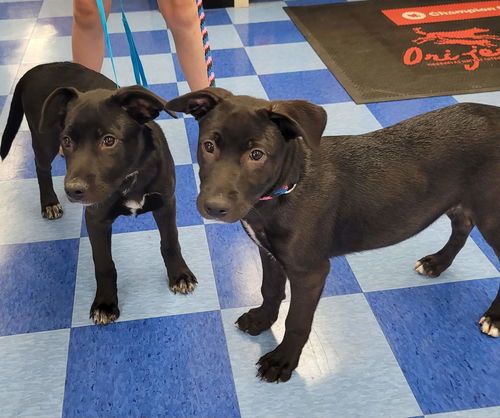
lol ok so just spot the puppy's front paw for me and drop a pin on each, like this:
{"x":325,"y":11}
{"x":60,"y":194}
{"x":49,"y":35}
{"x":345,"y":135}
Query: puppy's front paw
{"x":104,"y":313}
{"x":183,"y":282}
{"x":52,"y":211}
{"x":490,"y":325}
{"x":277,"y":365}
{"x":432,"y":265}
{"x":255,"y":321}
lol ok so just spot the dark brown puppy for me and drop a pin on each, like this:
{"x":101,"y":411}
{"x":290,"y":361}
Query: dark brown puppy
{"x":117,"y":160}
{"x":338,"y":195}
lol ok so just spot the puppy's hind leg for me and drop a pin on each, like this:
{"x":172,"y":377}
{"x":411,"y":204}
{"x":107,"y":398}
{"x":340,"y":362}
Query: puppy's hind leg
{"x":490,"y":321}
{"x":46,"y":148}
{"x":434,"y":264}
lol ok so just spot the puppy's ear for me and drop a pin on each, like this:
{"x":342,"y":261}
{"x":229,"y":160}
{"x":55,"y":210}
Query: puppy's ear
{"x":54,"y":108}
{"x":140,"y":103}
{"x":299,"y":118}
{"x":199,"y":103}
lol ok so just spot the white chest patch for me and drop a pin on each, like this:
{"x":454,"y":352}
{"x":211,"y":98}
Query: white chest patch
{"x":251,"y":233}
{"x":134,"y":205}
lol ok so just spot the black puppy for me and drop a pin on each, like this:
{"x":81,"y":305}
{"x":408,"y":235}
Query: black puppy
{"x":117,"y":160}
{"x":304,"y":199}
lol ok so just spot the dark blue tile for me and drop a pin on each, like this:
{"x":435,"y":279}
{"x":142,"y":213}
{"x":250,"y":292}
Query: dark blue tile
{"x":163,"y":367}
{"x":20,"y":10}
{"x":341,"y":279}
{"x":134,"y":5}
{"x":167,"y":91}
{"x":318,"y":86}
{"x":192,"y":131}
{"x":11,"y":52}
{"x":21,"y":160}
{"x":37,"y":286}
{"x":187,"y":213}
{"x":2,"y":102}
{"x":150,"y":42}
{"x":53,"y":26}
{"x":216,"y":17}
{"x":236,"y":264}
{"x":389,"y":113}
{"x":434,"y":333}
{"x":266,"y":33}
{"x":485,"y":247}
{"x":232,"y":62}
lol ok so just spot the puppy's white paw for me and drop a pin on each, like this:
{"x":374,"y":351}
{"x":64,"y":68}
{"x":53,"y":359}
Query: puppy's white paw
{"x":489,"y":327}
{"x":419,"y":268}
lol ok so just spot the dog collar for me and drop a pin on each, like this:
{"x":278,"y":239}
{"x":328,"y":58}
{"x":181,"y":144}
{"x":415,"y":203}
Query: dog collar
{"x":283,"y":190}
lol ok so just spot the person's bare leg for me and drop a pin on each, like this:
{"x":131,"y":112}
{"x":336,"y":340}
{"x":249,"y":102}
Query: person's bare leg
{"x":182,"y":19}
{"x":87,"y":38}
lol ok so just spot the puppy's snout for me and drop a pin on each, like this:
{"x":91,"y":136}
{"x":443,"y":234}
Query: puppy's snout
{"x":76,"y":189}
{"x":217,"y":208}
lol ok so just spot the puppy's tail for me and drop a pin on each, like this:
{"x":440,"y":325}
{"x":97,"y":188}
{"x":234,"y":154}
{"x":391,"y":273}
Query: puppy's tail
{"x":14,"y":120}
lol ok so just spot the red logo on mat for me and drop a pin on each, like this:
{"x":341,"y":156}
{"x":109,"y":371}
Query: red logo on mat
{"x":443,"y":12}
{"x":483,"y":47}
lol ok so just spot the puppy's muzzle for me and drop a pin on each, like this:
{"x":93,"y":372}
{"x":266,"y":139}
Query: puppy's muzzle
{"x":76,"y":190}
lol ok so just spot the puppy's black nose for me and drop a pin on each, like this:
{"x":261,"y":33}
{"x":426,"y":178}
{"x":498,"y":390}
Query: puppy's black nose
{"x":76,"y":189}
{"x":217,"y":208}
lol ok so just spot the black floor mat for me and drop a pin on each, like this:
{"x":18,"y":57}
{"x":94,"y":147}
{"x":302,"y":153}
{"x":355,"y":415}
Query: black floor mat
{"x":428,"y":48}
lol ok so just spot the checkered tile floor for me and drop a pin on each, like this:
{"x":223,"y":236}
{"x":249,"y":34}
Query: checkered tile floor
{"x":386,"y":342}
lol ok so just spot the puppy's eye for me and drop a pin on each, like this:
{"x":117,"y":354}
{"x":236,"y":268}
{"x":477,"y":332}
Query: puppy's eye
{"x":256,"y":154}
{"x":108,"y":141}
{"x":66,"y":142}
{"x":209,"y":146}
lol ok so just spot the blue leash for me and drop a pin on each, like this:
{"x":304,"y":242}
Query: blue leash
{"x":140,"y":77}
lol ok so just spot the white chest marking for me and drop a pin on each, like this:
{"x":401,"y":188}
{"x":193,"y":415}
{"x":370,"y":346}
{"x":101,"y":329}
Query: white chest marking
{"x":251,"y":233}
{"x":134,"y":205}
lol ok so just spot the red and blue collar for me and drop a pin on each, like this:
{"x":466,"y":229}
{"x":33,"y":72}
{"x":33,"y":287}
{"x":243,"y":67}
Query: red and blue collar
{"x":283,"y":190}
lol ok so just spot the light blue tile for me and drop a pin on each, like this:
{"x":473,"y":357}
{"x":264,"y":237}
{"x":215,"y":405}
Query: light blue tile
{"x":16,"y":28}
{"x":42,"y":50}
{"x":260,"y":12}
{"x":491,"y":98}
{"x":247,"y":85}
{"x":33,"y":374}
{"x":7,"y":75}
{"x":346,"y":369}
{"x":493,"y":412}
{"x":56,"y":8}
{"x":349,"y":119}
{"x":138,"y":21}
{"x":158,"y":68}
{"x":284,"y":58}
{"x":142,"y":278}
{"x":175,"y":131}
{"x":392,"y":267}
{"x":20,"y":205}
{"x":223,"y":37}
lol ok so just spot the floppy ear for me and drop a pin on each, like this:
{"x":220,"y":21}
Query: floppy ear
{"x":54,"y":107}
{"x":299,"y":118}
{"x":199,"y":103}
{"x":140,"y":103}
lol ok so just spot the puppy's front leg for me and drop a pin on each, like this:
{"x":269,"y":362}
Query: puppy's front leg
{"x":259,"y":319}
{"x":105,"y":306}
{"x":180,"y":277}
{"x":306,"y":287}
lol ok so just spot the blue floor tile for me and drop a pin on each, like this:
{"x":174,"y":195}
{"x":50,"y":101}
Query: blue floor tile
{"x":389,"y":113}
{"x":216,"y":17}
{"x":134,"y":5}
{"x":53,"y":26}
{"x":151,"y":42}
{"x":20,"y":10}
{"x":11,"y":52}
{"x":318,"y":86}
{"x":434,"y":334}
{"x":192,"y":131}
{"x":265,"y":33}
{"x":38,"y":282}
{"x":341,"y":279}
{"x":485,"y":247}
{"x":162,"y":367}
